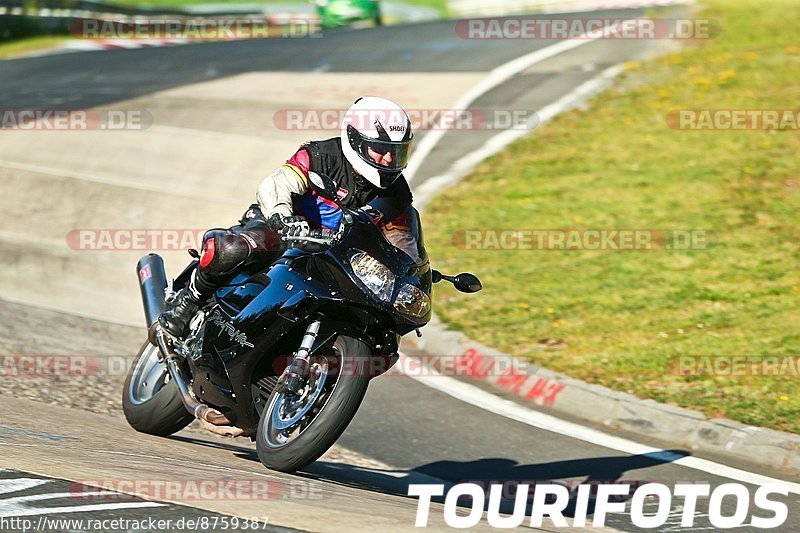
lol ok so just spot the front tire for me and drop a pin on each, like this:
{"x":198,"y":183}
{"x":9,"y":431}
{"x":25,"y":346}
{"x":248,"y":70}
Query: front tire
{"x":150,"y":399}
{"x":319,"y":430}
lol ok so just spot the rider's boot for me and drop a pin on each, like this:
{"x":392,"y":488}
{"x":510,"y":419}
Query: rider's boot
{"x":180,"y":311}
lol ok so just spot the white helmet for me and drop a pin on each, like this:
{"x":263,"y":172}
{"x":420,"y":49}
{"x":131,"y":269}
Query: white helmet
{"x":376,"y":139}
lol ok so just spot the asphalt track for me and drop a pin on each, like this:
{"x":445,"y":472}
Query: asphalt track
{"x":197,"y":167}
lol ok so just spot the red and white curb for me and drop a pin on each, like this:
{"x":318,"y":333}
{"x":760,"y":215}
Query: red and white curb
{"x":277,"y":20}
{"x":93,"y":45}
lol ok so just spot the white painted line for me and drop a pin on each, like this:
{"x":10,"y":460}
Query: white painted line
{"x":496,"y":143}
{"x":18,"y":506}
{"x":80,"y":508}
{"x":8,"y":486}
{"x":485,"y":400}
{"x":495,"y":77}
{"x":52,"y":496}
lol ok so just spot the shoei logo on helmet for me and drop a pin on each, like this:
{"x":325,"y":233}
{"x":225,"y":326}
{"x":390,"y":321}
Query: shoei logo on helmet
{"x":395,"y":127}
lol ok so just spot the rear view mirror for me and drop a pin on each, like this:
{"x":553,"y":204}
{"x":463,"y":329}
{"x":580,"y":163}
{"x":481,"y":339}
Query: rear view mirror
{"x":466,"y":282}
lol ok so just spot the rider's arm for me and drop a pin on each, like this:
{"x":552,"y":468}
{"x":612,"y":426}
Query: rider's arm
{"x":391,"y":212}
{"x":392,"y":202}
{"x":275,"y":192}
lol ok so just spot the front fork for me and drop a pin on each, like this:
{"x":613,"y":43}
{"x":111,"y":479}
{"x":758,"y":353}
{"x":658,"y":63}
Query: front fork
{"x":292,"y":378}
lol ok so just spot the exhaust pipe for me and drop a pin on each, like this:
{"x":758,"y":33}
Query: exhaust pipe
{"x":153,"y":286}
{"x":210,"y":417}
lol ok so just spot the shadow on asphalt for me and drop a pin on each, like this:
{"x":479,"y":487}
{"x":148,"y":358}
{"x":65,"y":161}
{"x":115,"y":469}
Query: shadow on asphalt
{"x":495,"y":470}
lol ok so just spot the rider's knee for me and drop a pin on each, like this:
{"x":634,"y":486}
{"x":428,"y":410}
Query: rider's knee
{"x":224,"y":252}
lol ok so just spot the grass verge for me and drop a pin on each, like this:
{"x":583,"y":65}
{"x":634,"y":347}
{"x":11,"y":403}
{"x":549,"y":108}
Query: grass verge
{"x":30,"y":44}
{"x":619,"y":318}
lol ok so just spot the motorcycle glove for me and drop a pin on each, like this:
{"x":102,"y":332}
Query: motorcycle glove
{"x":293,"y":226}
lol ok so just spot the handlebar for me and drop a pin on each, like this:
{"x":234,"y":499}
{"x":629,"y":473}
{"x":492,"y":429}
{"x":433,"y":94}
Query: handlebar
{"x":326,"y":236}
{"x":317,"y":236}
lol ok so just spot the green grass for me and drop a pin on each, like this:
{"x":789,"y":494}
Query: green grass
{"x":616,"y":318}
{"x":30,"y":44}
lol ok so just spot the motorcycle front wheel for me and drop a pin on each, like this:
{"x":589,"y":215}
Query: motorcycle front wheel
{"x":294,"y":431}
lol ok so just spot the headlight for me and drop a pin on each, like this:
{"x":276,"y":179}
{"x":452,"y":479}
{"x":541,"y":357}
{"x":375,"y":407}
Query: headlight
{"x":412,"y":301}
{"x":373,"y":274}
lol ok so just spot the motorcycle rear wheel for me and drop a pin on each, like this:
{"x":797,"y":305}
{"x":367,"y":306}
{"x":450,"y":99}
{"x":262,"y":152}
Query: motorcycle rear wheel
{"x":150,"y":399}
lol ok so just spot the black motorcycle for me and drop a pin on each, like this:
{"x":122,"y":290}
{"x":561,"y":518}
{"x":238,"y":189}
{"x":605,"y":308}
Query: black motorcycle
{"x":329,"y":313}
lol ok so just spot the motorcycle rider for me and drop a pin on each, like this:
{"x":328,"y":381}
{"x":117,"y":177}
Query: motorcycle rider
{"x":365,"y":162}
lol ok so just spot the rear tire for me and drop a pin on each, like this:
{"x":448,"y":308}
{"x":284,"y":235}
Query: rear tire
{"x":339,"y":408}
{"x":162,"y":413}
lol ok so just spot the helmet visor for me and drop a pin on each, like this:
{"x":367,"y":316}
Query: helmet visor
{"x":386,"y":155}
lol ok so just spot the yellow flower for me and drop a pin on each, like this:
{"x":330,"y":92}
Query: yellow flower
{"x":725,"y":76}
{"x":750,"y":56}
{"x":524,"y":305}
{"x":784,"y":398}
{"x":632,"y":65}
{"x":700,"y":81}
{"x":663,"y":93}
{"x":675,"y":60}
{"x":550,"y":310}
{"x":791,"y":49}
